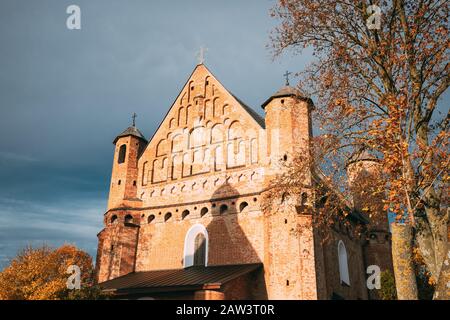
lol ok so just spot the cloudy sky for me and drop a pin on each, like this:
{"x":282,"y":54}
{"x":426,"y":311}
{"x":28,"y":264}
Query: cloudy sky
{"x":65,"y":94}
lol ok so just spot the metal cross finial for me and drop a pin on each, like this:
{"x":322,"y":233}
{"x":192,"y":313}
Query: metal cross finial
{"x":286,"y":75}
{"x":201,"y":55}
{"x":134,"y":119}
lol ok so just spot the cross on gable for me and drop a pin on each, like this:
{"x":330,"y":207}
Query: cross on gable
{"x":201,"y":55}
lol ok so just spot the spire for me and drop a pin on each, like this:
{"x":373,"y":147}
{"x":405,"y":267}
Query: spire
{"x":134,"y":118}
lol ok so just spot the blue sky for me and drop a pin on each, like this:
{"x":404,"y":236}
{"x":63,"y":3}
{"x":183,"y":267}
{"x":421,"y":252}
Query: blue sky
{"x":65,"y":94}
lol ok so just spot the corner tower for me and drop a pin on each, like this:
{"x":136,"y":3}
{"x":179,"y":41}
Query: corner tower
{"x":290,"y":261}
{"x":129,"y":146}
{"x":288,"y":125}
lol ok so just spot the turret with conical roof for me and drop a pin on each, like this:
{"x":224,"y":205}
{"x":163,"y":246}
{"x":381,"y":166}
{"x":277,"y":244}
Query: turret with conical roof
{"x":130,"y":131}
{"x":129,"y":146}
{"x":288,"y":123}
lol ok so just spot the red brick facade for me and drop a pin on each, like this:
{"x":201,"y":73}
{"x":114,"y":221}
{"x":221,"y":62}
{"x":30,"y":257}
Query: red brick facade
{"x":206,"y":168}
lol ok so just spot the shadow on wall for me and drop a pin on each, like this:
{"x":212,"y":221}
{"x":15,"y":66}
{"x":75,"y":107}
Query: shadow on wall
{"x":223,"y":241}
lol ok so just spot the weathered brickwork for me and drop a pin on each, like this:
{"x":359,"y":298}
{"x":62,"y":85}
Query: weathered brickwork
{"x":205,"y":170}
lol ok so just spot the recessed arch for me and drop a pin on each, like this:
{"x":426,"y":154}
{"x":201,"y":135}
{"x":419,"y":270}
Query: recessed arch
{"x":172,"y":123}
{"x":167,"y":216}
{"x":235,"y":130}
{"x":217,"y":133}
{"x":190,"y":244}
{"x":145,"y":173}
{"x":226,"y":109}
{"x":161,"y":147}
{"x":198,"y":137}
{"x":181,"y":116}
{"x":188,"y":114}
{"x":177,"y":142}
{"x":151,"y":218}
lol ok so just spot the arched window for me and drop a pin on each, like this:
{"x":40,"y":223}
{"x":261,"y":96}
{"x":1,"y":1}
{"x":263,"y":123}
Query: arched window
{"x":122,"y":153}
{"x":167,"y":216}
{"x":223,"y":209}
{"x":151,"y":218}
{"x":184,"y":214}
{"x":114,"y":219}
{"x":196,"y":246}
{"x":128,"y":218}
{"x":343,"y":264}
{"x":203,"y":211}
{"x":199,"y":250}
{"x":242,"y":206}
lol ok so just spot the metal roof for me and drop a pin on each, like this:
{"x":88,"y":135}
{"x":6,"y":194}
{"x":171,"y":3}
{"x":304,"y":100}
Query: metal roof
{"x":286,"y":91}
{"x":191,"y":278}
{"x":252,"y":112}
{"x":130,"y":131}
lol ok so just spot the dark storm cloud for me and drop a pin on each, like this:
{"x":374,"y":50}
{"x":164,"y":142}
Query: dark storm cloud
{"x":65,"y":94}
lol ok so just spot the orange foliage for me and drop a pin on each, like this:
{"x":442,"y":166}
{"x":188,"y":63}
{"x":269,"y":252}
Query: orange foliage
{"x":40,"y":273}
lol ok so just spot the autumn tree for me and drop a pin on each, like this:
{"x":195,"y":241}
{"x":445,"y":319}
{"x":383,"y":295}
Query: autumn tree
{"x":41,"y":274}
{"x":380,"y":70}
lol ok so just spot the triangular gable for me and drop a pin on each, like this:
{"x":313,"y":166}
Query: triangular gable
{"x":187,"y":97}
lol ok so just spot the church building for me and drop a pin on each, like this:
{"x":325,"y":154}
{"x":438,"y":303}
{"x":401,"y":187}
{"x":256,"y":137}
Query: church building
{"x":185,"y":216}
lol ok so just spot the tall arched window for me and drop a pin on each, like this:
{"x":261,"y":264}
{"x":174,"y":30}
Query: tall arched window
{"x":343,"y":264}
{"x":122,"y":153}
{"x":199,"y":250}
{"x":196,"y":246}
